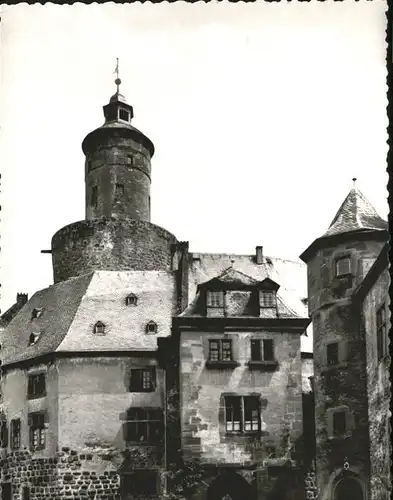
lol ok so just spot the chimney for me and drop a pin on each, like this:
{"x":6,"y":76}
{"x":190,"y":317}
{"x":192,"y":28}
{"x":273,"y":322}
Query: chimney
{"x":21,"y":299}
{"x":259,"y":255}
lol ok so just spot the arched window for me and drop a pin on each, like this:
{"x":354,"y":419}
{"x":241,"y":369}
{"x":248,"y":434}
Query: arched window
{"x":99,"y":328}
{"x":131,"y":300}
{"x":151,"y":327}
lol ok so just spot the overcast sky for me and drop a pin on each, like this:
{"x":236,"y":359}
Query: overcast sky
{"x":260,"y":113}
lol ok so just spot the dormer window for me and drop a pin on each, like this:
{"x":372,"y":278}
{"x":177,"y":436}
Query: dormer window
{"x":37,"y":312}
{"x":33,"y":338}
{"x":268,"y":298}
{"x":215,"y":298}
{"x":343,"y":266}
{"x":99,"y":328}
{"x":151,"y":327}
{"x":131,"y":300}
{"x":124,"y":115}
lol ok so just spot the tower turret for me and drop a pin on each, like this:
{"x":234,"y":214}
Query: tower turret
{"x":117,"y":234}
{"x":117,"y":167}
{"x":337,"y":263}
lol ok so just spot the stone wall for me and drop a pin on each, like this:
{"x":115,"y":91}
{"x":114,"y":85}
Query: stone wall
{"x":335,"y":320}
{"x":201,"y":399}
{"x":124,"y":162}
{"x":378,"y":390}
{"x":110,"y":245}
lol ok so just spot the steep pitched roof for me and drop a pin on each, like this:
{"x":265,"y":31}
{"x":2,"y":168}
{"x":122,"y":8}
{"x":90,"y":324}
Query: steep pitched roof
{"x":71,"y":309}
{"x":232,"y":276}
{"x":355,"y":213}
{"x":290,"y":275}
{"x":60,"y":303}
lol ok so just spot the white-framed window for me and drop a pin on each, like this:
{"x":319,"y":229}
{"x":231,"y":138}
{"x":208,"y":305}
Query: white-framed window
{"x":215,"y":298}
{"x":242,"y":414}
{"x":267,"y":298}
{"x":220,"y":350}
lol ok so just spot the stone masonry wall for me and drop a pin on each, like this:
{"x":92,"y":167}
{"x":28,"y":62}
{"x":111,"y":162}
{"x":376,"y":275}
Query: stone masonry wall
{"x":110,"y":245}
{"x":378,"y":389}
{"x":109,"y":165}
{"x":334,"y":320}
{"x":201,"y":396}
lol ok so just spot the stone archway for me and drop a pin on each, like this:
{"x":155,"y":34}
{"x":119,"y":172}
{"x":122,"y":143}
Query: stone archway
{"x":348,"y":488}
{"x":230,"y":486}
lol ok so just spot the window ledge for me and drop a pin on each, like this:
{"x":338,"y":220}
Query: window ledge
{"x":263,"y":365}
{"x":222,"y":364}
{"x":33,"y":398}
{"x":248,"y":434}
{"x":341,"y":436}
{"x":339,"y":366}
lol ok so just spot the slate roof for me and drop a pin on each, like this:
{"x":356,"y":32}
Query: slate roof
{"x":290,"y":275}
{"x":71,"y":308}
{"x":234,"y":278}
{"x":355,"y":213}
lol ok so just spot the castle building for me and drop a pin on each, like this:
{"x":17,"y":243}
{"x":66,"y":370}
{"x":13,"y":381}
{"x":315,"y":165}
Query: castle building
{"x":149,"y":371}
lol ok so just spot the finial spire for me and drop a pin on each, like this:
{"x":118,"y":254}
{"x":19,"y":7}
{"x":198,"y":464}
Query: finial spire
{"x":117,"y":81}
{"x":354,"y":181}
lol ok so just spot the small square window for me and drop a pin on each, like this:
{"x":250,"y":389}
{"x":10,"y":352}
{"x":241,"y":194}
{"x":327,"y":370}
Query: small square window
{"x":343,"y":266}
{"x":130,"y":161}
{"x":124,"y":115}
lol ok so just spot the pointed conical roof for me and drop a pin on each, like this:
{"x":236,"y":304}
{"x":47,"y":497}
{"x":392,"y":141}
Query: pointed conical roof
{"x":356,"y":213}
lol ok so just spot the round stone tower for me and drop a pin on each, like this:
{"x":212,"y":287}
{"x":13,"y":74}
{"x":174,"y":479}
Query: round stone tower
{"x":337,"y":264}
{"x":117,"y":233}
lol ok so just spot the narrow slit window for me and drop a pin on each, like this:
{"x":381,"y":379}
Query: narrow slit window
{"x":339,"y":423}
{"x":94,"y":196}
{"x":381,"y":332}
{"x":15,"y":434}
{"x":119,"y":190}
{"x":332,"y":354}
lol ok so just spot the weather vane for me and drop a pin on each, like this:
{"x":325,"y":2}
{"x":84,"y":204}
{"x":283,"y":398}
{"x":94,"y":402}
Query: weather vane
{"x":117,"y":81}
{"x":354,"y":181}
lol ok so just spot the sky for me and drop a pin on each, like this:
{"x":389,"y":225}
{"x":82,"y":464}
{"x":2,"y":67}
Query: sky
{"x":261,"y":114}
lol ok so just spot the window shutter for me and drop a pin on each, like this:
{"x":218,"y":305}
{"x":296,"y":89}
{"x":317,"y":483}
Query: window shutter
{"x":268,"y":350}
{"x":30,"y":420}
{"x":342,"y":351}
{"x":330,"y":423}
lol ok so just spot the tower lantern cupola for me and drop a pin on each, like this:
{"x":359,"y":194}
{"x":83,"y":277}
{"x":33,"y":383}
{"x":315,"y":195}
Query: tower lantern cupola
{"x":117,"y":168}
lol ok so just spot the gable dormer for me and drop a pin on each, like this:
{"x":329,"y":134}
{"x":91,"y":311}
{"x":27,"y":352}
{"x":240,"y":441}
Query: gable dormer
{"x":267,"y":293}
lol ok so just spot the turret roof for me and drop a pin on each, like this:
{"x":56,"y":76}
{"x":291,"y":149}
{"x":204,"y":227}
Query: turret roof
{"x":355,"y":213}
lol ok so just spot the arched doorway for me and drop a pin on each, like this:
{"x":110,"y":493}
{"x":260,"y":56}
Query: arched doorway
{"x":348,"y":488}
{"x":230,"y":486}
